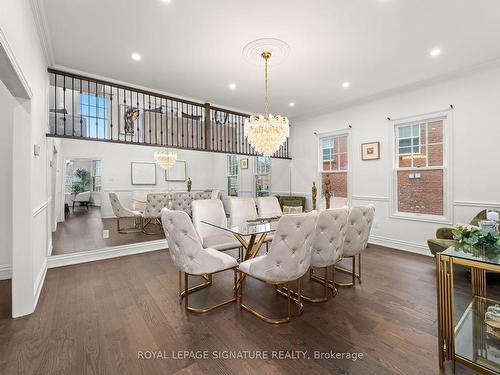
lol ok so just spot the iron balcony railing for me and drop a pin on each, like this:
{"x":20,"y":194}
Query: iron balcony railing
{"x":92,"y":109}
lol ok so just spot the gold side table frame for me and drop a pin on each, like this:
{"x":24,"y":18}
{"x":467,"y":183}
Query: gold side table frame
{"x":445,"y":304}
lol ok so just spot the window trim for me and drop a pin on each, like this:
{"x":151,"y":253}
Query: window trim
{"x":255,"y":174}
{"x":237,"y":175}
{"x":447,"y":217}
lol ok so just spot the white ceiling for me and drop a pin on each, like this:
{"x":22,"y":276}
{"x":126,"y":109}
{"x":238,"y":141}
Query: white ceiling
{"x":194,"y":48}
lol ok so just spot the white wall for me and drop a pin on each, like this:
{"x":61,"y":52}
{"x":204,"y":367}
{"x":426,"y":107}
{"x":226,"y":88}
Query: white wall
{"x":476,"y":131}
{"x":7,"y":104}
{"x":206,"y":169}
{"x":30,"y":192}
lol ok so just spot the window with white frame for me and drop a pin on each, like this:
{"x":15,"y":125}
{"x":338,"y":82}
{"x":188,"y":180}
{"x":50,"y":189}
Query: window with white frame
{"x":262,"y":176}
{"x":232,"y":175}
{"x":96,"y":175}
{"x":95,"y":110}
{"x":420,"y":178}
{"x":334,"y":164}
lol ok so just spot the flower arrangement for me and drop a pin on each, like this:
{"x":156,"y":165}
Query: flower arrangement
{"x":475,"y":236}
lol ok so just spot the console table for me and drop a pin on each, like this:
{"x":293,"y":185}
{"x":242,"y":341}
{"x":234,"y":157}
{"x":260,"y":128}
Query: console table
{"x":471,"y":341}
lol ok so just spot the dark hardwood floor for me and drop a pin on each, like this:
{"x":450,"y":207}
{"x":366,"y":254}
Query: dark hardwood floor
{"x":94,"y":318}
{"x":82,"y":231}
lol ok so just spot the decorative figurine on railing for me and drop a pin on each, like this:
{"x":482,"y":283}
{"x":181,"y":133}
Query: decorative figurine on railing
{"x":129,"y":117}
{"x":189,"y":184}
{"x":328,"y":192}
{"x":314,"y":191}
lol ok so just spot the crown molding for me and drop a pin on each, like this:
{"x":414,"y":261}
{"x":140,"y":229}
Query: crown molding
{"x":43,"y":30}
{"x":460,"y":73}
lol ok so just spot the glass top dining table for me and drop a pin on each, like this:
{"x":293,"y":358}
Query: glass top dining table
{"x":251,"y":234}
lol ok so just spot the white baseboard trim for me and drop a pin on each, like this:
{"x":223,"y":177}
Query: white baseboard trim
{"x":40,"y":279}
{"x":5,"y":272}
{"x":411,"y":247}
{"x":105,"y":253}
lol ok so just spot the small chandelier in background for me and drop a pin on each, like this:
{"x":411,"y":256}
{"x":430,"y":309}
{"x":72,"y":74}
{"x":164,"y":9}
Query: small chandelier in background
{"x":266,"y":133}
{"x":165,"y":159}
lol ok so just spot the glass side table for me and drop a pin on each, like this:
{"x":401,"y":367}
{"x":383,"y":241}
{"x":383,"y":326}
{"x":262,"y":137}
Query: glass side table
{"x":471,"y":342}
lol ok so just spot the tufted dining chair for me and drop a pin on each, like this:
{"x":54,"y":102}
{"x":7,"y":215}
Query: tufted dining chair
{"x":268,"y":207}
{"x":288,"y":259}
{"x":359,"y":224}
{"x":192,"y":259}
{"x":155,"y":202}
{"x":241,"y":209}
{"x":122,"y":212}
{"x":212,"y":210}
{"x":327,"y":247}
{"x":181,"y":201}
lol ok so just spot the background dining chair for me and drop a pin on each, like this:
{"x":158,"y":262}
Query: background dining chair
{"x":241,"y":209}
{"x":192,"y":259}
{"x":288,"y":260}
{"x":122,"y":212}
{"x":327,"y":247}
{"x":359,"y":224}
{"x":155,"y":202}
{"x":268,"y":207}
{"x":212,"y":210}
{"x":181,"y":201}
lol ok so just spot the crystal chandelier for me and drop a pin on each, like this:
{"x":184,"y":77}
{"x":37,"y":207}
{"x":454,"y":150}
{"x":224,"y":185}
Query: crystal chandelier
{"x":165,"y":158}
{"x":266,"y":133}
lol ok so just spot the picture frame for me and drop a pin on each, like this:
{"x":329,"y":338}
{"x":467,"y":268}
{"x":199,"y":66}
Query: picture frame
{"x":244,"y":163}
{"x":143,"y":173}
{"x":370,"y":151}
{"x":177,"y":172}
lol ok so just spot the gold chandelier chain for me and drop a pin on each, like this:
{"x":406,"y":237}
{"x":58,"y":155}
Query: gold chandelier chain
{"x":266,"y":55}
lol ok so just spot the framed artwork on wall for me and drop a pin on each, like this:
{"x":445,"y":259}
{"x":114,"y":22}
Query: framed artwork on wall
{"x":177,"y":172}
{"x":143,"y":173}
{"x":370,"y":151}
{"x":244,"y":163}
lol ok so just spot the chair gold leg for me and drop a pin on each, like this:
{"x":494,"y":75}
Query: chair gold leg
{"x":351,"y":272}
{"x":188,"y":291}
{"x":299,"y":295}
{"x":261,"y":316}
{"x":135,"y":229}
{"x":321,"y":280}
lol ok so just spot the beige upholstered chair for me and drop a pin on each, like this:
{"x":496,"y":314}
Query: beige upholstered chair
{"x":241,"y":209}
{"x":121,"y":213}
{"x":83,"y":199}
{"x":211,"y":210}
{"x":288,"y":260}
{"x":268,"y":207}
{"x":327,"y":248}
{"x":191,"y":258}
{"x":155,"y":202}
{"x":358,"y":229}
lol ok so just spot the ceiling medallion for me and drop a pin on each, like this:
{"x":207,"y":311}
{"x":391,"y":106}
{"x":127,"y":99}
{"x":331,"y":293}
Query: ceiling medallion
{"x":266,"y":133}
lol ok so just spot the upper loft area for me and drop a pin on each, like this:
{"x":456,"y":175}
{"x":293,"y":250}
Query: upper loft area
{"x":87,"y":108}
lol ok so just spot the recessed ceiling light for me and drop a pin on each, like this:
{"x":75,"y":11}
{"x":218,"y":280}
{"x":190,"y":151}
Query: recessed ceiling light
{"x":136,"y":56}
{"x":346,"y":84}
{"x":435,"y":52}
{"x":232,"y":86}
{"x":167,"y":1}
{"x":291,"y":104}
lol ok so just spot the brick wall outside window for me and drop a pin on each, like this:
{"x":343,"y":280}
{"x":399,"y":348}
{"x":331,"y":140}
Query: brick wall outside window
{"x":334,"y":164}
{"x":420,"y":189}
